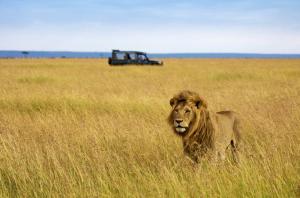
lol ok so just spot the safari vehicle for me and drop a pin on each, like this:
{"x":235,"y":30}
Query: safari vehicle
{"x":131,"y":58}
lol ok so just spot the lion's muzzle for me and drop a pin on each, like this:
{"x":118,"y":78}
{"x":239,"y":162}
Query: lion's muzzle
{"x":180,"y":126}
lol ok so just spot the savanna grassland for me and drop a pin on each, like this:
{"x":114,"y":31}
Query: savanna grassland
{"x":80,"y":128}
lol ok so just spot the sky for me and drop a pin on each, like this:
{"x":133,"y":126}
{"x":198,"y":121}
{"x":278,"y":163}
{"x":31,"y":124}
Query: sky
{"x":157,"y":26}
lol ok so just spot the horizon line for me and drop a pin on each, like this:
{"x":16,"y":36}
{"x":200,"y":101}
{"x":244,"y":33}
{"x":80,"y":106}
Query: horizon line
{"x":71,"y":51}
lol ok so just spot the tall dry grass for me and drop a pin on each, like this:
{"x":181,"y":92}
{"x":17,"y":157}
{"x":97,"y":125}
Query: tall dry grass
{"x":79,"y":128}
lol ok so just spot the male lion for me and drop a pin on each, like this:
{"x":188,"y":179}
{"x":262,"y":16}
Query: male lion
{"x":204,"y":133}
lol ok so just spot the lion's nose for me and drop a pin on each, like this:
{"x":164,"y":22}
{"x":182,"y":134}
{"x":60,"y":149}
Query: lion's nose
{"x":178,"y":121}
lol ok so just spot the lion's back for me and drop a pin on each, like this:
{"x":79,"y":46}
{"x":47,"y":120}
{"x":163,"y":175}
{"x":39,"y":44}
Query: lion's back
{"x":227,"y":125}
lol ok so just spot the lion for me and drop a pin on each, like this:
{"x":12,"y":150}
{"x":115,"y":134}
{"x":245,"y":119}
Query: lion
{"x":204,"y":133}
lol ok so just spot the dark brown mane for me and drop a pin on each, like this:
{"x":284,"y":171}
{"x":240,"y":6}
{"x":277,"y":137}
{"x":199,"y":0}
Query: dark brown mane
{"x":201,"y":137}
{"x":202,"y":130}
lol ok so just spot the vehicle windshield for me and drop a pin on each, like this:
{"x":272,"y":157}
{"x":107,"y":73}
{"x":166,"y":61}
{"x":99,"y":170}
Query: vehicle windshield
{"x":142,"y":57}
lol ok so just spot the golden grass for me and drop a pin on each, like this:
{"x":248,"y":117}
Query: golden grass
{"x":80,"y":128}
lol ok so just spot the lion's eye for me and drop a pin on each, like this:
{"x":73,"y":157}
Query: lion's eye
{"x":187,"y":111}
{"x":176,"y":111}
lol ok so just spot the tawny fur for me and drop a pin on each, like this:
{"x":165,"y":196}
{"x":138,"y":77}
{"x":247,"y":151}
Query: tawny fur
{"x":208,"y":133}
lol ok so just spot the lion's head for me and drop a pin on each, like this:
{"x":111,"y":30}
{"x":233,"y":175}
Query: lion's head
{"x":186,"y":111}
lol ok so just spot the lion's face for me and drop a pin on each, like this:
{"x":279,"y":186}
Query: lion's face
{"x":182,"y":116}
{"x":185,"y":106}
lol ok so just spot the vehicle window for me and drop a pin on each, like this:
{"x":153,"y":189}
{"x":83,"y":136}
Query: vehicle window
{"x":121,"y":56}
{"x":142,"y":57}
{"x":132,"y":56}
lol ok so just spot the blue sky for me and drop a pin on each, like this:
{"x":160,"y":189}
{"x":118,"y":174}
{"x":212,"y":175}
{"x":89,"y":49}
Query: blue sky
{"x":258,"y":26}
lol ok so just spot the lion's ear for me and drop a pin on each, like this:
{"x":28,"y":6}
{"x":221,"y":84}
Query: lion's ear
{"x":199,"y":102}
{"x":172,"y":101}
